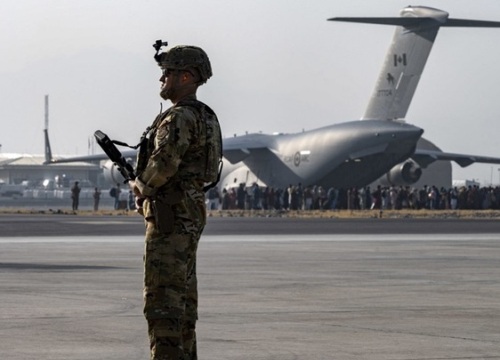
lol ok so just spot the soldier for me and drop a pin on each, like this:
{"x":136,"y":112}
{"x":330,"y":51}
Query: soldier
{"x":97,"y":198}
{"x":181,"y":153}
{"x":75,"y":196}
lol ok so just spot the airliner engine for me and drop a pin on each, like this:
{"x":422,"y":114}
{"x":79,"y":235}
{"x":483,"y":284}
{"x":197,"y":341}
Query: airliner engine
{"x":405,"y":173}
{"x":111,"y":173}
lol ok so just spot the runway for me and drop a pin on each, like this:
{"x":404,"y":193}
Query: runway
{"x":71,"y":288}
{"x":27,"y":225}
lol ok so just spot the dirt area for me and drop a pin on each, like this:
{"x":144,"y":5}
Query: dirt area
{"x":341,"y":214}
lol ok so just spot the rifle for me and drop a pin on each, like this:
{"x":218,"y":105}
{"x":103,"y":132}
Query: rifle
{"x":115,"y":155}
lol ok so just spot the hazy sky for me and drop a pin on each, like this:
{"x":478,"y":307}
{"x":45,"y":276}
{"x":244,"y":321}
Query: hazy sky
{"x":278,"y":66}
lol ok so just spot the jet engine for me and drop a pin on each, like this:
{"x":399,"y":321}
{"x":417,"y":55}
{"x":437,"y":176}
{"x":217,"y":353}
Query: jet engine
{"x":405,"y":173}
{"x":112,"y":174}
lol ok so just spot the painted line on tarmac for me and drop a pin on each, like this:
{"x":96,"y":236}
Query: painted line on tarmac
{"x":107,"y":222}
{"x":72,"y":239}
{"x":351,"y":237}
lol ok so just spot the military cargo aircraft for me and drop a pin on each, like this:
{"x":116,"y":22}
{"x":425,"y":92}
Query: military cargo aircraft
{"x":355,"y":153}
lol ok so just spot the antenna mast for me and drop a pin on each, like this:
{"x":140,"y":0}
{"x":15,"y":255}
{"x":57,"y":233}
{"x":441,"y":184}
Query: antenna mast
{"x":47,"y":112}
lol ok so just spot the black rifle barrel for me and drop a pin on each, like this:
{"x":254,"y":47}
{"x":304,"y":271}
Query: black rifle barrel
{"x":115,"y":155}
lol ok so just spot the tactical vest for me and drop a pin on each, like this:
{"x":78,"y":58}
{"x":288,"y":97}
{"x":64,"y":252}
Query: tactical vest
{"x":213,"y":142}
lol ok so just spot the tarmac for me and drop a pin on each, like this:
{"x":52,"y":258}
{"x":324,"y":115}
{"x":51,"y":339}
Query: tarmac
{"x":280,"y":289}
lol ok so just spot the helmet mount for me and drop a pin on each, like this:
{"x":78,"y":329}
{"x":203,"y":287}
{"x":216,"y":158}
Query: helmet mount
{"x":183,"y":57}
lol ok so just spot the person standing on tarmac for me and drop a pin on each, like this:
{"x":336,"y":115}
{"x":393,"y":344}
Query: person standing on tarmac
{"x":97,"y":197}
{"x":180,"y":154}
{"x":75,"y":196}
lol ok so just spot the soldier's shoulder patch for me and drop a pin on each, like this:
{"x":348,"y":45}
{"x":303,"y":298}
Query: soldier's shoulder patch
{"x":164,"y":127}
{"x":162,"y":132}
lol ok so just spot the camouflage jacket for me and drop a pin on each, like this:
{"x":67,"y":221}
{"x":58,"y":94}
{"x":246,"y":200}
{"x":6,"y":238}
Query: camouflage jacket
{"x":175,"y":160}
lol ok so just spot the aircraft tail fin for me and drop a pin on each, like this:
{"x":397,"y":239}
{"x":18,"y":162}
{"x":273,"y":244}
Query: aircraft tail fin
{"x":417,"y":28}
{"x":48,"y":151}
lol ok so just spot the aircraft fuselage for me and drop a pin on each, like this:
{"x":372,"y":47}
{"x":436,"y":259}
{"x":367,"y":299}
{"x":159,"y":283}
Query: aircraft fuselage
{"x":336,"y":155}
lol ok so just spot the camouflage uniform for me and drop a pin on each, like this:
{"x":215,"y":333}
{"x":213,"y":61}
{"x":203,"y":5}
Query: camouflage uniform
{"x":172,"y":178}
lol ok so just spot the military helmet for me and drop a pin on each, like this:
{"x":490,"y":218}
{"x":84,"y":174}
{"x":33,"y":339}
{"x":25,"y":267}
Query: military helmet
{"x":183,"y":57}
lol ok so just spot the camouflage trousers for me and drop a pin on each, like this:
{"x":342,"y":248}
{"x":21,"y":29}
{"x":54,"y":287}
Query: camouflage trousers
{"x":170,"y":293}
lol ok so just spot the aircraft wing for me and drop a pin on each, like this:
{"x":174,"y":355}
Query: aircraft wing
{"x":90,"y":158}
{"x":426,"y":157}
{"x":234,"y":149}
{"x":239,"y":148}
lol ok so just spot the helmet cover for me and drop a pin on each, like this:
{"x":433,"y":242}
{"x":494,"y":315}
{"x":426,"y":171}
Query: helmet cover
{"x":183,"y":57}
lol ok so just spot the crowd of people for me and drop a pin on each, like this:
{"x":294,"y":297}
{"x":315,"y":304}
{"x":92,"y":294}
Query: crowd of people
{"x":298,"y":197}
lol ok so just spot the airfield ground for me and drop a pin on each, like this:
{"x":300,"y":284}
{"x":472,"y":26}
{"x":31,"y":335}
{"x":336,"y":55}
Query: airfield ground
{"x":339,"y":214}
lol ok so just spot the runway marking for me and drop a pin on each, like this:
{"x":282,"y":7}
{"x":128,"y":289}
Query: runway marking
{"x":351,"y":237}
{"x":265,"y":238}
{"x":108,"y":222}
{"x":72,"y":239}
